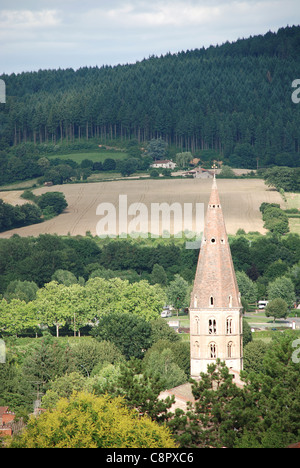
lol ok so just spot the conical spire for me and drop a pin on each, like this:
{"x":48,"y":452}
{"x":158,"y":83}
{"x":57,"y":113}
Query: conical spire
{"x":215,"y":283}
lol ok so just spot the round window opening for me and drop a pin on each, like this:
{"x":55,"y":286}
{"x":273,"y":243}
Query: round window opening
{"x":213,"y":241}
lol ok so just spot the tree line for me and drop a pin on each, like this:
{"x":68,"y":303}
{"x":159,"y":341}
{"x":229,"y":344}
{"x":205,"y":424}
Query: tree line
{"x":70,"y":281}
{"x":234,"y":99}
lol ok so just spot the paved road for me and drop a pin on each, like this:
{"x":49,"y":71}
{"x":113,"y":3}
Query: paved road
{"x":284,"y":322}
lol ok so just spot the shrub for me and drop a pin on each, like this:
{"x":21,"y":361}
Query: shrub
{"x":54,"y":200}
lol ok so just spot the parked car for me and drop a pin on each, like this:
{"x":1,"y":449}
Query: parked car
{"x":166,"y":313}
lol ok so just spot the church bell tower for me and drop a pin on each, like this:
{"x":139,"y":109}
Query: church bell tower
{"x":215,"y":309}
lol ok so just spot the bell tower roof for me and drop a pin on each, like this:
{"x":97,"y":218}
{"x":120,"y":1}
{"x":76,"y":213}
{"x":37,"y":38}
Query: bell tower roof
{"x":215,"y":283}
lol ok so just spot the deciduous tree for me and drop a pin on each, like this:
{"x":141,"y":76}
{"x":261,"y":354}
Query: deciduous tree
{"x":88,"y":421}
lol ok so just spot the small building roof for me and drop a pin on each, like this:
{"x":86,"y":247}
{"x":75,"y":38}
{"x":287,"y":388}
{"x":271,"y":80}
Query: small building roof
{"x":163,"y":161}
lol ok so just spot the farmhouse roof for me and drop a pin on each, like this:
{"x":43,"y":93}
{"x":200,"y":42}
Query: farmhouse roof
{"x":215,"y":282}
{"x":163,"y":161}
{"x":3,"y":410}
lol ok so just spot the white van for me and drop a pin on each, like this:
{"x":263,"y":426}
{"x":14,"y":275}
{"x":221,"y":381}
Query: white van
{"x":166,"y":313}
{"x":262,"y":304}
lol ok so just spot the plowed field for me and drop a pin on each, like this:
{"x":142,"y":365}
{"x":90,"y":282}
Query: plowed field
{"x":240,"y":201}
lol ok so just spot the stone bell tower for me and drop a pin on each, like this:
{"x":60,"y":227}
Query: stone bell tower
{"x":215,"y":309}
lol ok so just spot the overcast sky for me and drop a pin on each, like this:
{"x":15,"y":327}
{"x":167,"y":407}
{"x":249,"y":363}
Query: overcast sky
{"x":48,"y":34}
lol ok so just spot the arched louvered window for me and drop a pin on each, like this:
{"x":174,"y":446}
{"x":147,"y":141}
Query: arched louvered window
{"x":212,"y":327}
{"x":213,"y":350}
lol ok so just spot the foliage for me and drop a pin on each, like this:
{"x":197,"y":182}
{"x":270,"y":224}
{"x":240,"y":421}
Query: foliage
{"x":90,"y":356}
{"x":243,"y":156}
{"x":105,"y":380}
{"x":247,"y":287}
{"x":129,"y":333}
{"x":180,"y":353}
{"x":64,"y":277}
{"x":285,"y":178}
{"x":17,"y":316}
{"x":226,"y":173}
{"x":18,"y":216}
{"x":164,"y":365}
{"x":63,"y":387}
{"x":247,"y":333}
{"x":87,"y":421}
{"x":220,"y":412}
{"x":11,"y":391}
{"x":109,"y":164}
{"x":276,"y":396}
{"x":262,"y":414}
{"x":162,"y":331}
{"x":183,"y":159}
{"x":158,"y":275}
{"x":57,"y":305}
{"x":157,"y":148}
{"x":47,"y":361}
{"x":141,"y":390}
{"x":254,"y":353}
{"x":54,"y":200}
{"x":77,"y":305}
{"x":178,"y":293}
{"x":128,"y":167}
{"x":115,"y":295}
{"x":154,"y":173}
{"x":282,"y":288}
{"x":276,"y":220}
{"x":142,"y":299}
{"x":22,"y":290}
{"x":277,"y":309}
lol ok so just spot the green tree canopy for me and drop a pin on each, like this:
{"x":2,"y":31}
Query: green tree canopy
{"x":283,"y":288}
{"x":54,"y":200}
{"x":277,"y":309}
{"x":128,"y":332}
{"x":22,"y":290}
{"x":157,"y":149}
{"x":276,"y":394}
{"x":178,"y":293}
{"x":281,"y":178}
{"x":247,"y":287}
{"x":183,"y":159}
{"x":64,"y":277}
{"x":17,"y":316}
{"x":91,"y":353}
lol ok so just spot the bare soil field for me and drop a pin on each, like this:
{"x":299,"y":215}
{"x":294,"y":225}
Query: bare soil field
{"x":240,"y":200}
{"x":13,"y":197}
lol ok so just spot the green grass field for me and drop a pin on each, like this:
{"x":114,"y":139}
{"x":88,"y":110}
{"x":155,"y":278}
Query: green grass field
{"x":293,"y":201}
{"x":95,"y":156}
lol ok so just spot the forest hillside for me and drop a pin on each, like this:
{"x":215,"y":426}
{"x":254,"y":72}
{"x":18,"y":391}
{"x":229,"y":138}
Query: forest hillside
{"x":235,"y":99}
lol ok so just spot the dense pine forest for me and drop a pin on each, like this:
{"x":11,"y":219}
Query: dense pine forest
{"x":234,"y":99}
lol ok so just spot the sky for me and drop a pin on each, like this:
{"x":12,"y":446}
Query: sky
{"x":52,"y":34}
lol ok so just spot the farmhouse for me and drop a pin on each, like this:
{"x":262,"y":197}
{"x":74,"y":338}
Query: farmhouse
{"x":164,"y":164}
{"x":6,"y":420}
{"x":199,"y":173}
